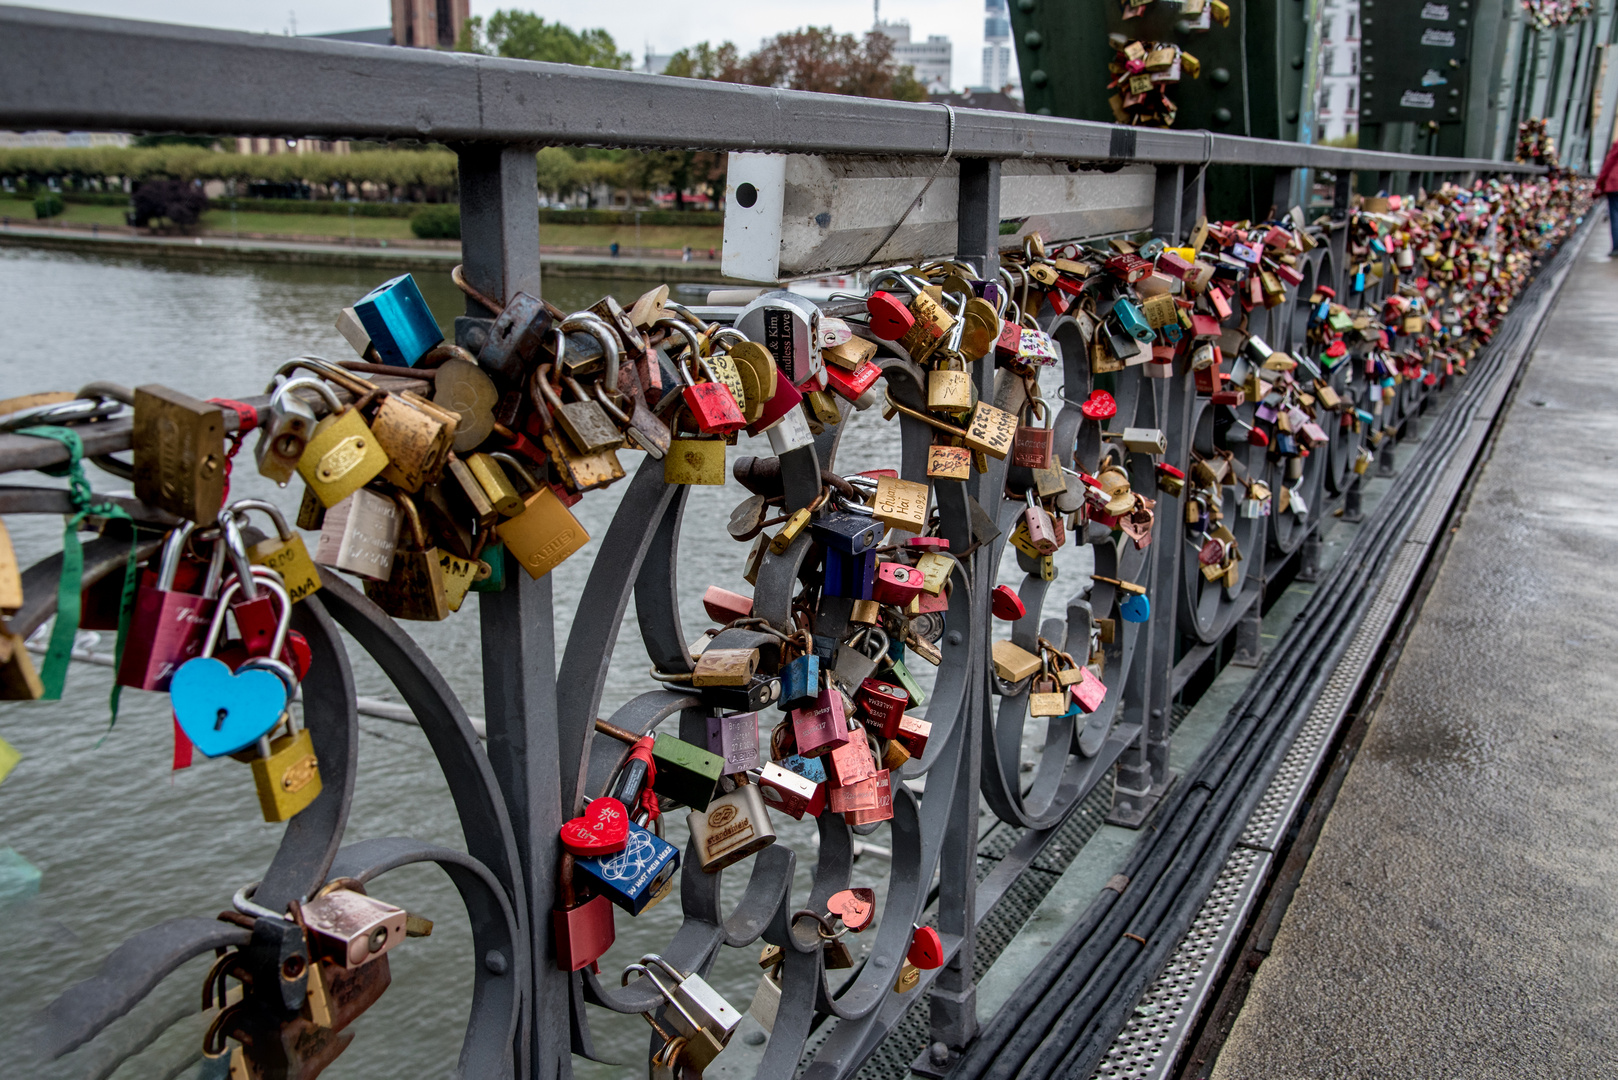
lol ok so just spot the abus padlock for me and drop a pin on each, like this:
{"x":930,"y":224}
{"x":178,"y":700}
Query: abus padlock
{"x":637,"y":876}
{"x":286,"y":433}
{"x":401,"y":326}
{"x":223,"y":712}
{"x":167,"y":626}
{"x":731,"y":827}
{"x":949,"y":388}
{"x":848,"y":764}
{"x":735,"y":739}
{"x":545,"y":534}
{"x":284,"y":552}
{"x":360,"y":535}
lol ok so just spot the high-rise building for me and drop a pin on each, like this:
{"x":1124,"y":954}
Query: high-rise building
{"x":999,"y":58}
{"x":931,"y":61}
{"x":1337,"y":107}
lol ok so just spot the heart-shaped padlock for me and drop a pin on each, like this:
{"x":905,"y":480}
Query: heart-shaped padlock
{"x":1136,"y":608}
{"x":1099,"y":406}
{"x":890,"y":319}
{"x":222,"y":711}
{"x":1006,"y":604}
{"x":603,"y":829}
{"x":855,"y":907}
{"x":926,"y":949}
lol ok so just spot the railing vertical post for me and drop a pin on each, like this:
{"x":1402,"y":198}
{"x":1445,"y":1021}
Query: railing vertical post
{"x":1341,"y":194}
{"x":1281,"y":192}
{"x":953,"y":1007}
{"x":1166,"y":213}
{"x":500,"y":255}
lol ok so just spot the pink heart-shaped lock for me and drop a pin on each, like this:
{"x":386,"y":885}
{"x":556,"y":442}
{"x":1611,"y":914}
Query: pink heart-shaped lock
{"x":855,"y":907}
{"x":1100,"y":405}
{"x":603,"y":829}
{"x":890,"y":320}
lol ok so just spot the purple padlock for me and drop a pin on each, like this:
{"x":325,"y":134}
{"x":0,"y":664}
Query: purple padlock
{"x":735,"y":739}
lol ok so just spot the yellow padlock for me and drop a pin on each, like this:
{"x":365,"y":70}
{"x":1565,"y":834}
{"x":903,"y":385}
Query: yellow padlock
{"x":284,"y":552}
{"x":546,"y":533}
{"x":342,"y":457}
{"x":695,"y":461}
{"x":289,"y":779}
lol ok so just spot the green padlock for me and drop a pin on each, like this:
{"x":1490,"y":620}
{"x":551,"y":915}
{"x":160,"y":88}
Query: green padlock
{"x":494,"y":554}
{"x":901,"y":675}
{"x":686,"y":773}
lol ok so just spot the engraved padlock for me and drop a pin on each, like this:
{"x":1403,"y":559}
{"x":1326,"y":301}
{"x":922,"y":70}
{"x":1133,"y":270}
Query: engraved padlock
{"x":360,"y":535}
{"x":167,"y":626}
{"x":731,"y":827}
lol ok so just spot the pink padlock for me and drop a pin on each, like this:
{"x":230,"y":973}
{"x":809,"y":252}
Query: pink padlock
{"x":822,"y":728}
{"x":896,"y":584}
{"x":1089,"y":691}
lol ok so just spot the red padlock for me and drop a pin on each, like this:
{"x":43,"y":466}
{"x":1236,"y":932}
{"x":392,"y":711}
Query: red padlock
{"x":926,"y":949}
{"x":851,"y":384}
{"x":1099,"y":406}
{"x":582,"y":932}
{"x":725,"y":607}
{"x":787,"y":397}
{"x":896,"y":584}
{"x":712,"y":405}
{"x":790,"y":792}
{"x":167,"y":626}
{"x":848,"y":764}
{"x":882,"y":705}
{"x":890,"y":319}
{"x":1006,"y":604}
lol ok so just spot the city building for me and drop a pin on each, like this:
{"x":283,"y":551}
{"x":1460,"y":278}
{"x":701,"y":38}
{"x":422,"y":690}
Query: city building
{"x":1337,"y":107}
{"x":12,"y":140}
{"x":999,"y":58}
{"x":931,"y":61}
{"x":431,"y":24}
{"x":656,"y":63}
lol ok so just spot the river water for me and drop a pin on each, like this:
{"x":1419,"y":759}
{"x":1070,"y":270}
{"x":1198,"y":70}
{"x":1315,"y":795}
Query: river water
{"x":121,"y":842}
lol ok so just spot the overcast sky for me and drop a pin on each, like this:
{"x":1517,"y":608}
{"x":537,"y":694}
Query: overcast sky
{"x":635,"y":24}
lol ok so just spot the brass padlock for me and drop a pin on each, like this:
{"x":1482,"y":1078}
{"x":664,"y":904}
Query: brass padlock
{"x":695,"y":461}
{"x":284,"y":552}
{"x":581,"y":472}
{"x":900,"y":504}
{"x":10,"y":574}
{"x":949,"y":388}
{"x":546,"y":533}
{"x":495,"y":484}
{"x":932,"y":326}
{"x":288,"y":780}
{"x":417,"y":436}
{"x":584,"y":422}
{"x":415,"y":588}
{"x":342,"y":456}
{"x":179,"y":445}
{"x":991,"y":431}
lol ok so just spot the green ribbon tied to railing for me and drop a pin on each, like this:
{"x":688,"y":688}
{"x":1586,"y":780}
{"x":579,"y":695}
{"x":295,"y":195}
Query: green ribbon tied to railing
{"x":59,"y":653}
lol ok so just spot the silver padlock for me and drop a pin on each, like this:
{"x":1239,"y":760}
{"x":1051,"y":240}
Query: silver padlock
{"x":766,"y":1003}
{"x":733,"y":826}
{"x":282,"y":440}
{"x":786,"y":324}
{"x":360,"y":535}
{"x":690,"y":1047}
{"x":698,"y":1001}
{"x":791,"y":432}
{"x":856,"y":660}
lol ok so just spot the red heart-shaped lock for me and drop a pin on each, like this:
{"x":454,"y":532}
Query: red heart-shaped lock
{"x":855,"y":907}
{"x":1258,"y":437}
{"x":1006,"y":604}
{"x":603,"y":829}
{"x":1100,"y":406}
{"x":926,"y":949}
{"x":890,"y":319}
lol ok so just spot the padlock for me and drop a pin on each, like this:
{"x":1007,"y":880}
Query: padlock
{"x":581,"y":932}
{"x":341,"y":457}
{"x":936,"y":327}
{"x":167,"y":626}
{"x":735,"y":739}
{"x":900,"y":504}
{"x":636,"y":877}
{"x":848,"y":532}
{"x":179,"y":445}
{"x":684,"y":773}
{"x":800,"y":682}
{"x":415,"y":587}
{"x":725,"y":667}
{"x":1089,"y":691}
{"x":882,"y":785}
{"x":515,"y":339}
{"x":696,"y":461}
{"x":285,"y":434}
{"x":583,"y":421}
{"x":1031,"y":447}
{"x":288,"y":778}
{"x":822,"y":728}
{"x":284,"y":552}
{"x":949,"y":388}
{"x":731,"y":827}
{"x":1040,"y":526}
{"x":224,"y":712}
{"x":360,"y":535}
{"x":1012,"y":662}
{"x":256,"y":615}
{"x":400,"y":324}
{"x":857,"y":658}
{"x":1046,"y":698}
{"x":790,"y":792}
{"x":790,"y":432}
{"x":546,"y":533}
{"x":846,"y":766}
{"x":711,"y":404}
{"x":896,"y":584}
{"x":641,"y":427}
{"x":991,"y":431}
{"x":759,"y":692}
{"x":786,"y":324}
{"x":881,"y":705}
{"x":416,"y":435}
{"x":766,"y":1002}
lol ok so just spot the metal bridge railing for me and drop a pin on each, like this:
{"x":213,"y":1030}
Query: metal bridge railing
{"x":81,"y":73}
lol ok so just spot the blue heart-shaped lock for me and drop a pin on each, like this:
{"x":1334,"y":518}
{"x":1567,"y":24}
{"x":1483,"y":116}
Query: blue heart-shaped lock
{"x":1136,"y":609}
{"x":222,"y":711}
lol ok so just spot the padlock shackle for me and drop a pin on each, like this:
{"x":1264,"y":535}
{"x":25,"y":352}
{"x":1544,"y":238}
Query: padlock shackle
{"x":665,"y":991}
{"x":230,"y":534}
{"x":240,"y":507}
{"x":685,"y":330}
{"x":242,"y":901}
{"x":592,"y":324}
{"x":326,"y":369}
{"x":523,"y":473}
{"x":271,"y":581}
{"x":283,"y":387}
{"x":673,"y":972}
{"x":173,"y":551}
{"x":407,"y":505}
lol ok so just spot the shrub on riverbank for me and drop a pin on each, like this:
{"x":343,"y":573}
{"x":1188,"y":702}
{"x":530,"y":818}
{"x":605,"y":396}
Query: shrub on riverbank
{"x":439,"y":222}
{"x":48,"y":205}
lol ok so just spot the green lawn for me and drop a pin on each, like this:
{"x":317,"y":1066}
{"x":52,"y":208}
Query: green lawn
{"x":218,"y":222}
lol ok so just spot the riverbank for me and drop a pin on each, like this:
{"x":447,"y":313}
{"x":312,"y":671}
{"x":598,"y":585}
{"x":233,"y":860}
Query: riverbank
{"x":313,"y":252}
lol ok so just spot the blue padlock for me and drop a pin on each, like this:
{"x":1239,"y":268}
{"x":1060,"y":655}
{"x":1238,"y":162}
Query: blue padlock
{"x":223,"y":712}
{"x":1285,"y":444}
{"x":1170,"y":332}
{"x":850,"y":575}
{"x":401,"y":326}
{"x":636,"y":876}
{"x":800,"y":683}
{"x":1131,"y":319}
{"x":1136,"y":608}
{"x":1359,"y":281}
{"x":848,"y":533}
{"x":812,"y":769}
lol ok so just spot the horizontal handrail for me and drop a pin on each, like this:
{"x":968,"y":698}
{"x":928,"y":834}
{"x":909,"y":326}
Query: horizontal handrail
{"x":78,"y":72}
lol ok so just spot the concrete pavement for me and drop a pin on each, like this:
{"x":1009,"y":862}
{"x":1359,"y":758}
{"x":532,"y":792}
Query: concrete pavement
{"x":1459,"y":917}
